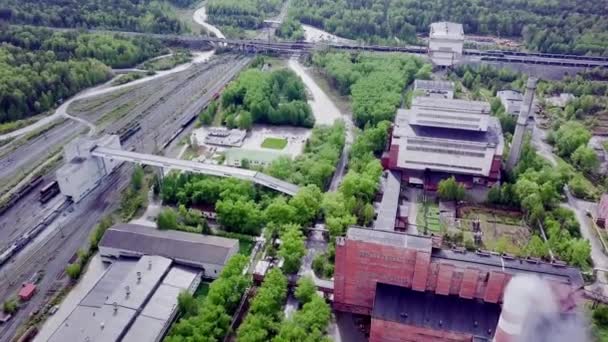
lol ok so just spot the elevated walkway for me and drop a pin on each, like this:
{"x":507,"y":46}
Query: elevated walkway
{"x":196,"y":167}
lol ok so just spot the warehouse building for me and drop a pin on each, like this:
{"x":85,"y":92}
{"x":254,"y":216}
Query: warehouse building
{"x":511,"y":100}
{"x":132,"y":301}
{"x":415,"y":291}
{"x":439,"y":89}
{"x":208,"y":253}
{"x":391,"y":214}
{"x":82,"y":172}
{"x":446,"y":42}
{"x":440,"y":138}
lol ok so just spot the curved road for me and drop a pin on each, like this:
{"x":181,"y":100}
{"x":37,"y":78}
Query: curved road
{"x":200,"y":17}
{"x":61,"y":111}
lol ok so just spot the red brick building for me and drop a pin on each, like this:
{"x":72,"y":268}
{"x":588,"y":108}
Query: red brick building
{"x":373,"y":266}
{"x":602,"y":212}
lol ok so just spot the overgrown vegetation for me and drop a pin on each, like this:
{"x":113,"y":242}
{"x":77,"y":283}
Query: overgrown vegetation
{"x":213,"y":316}
{"x":375,"y":82}
{"x":265,"y":313}
{"x":145,"y":15}
{"x":276,"y":98}
{"x":290,"y":29}
{"x":564,"y":27}
{"x":247,"y":14}
{"x":40,"y":68}
{"x":168,"y":62}
{"x":317,"y":163}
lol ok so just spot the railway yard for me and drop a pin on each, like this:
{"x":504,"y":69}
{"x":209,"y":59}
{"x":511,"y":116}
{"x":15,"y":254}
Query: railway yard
{"x":150,"y":116}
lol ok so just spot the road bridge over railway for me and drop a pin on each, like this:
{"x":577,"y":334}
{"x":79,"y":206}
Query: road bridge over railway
{"x":470,"y":55}
{"x":196,"y":167}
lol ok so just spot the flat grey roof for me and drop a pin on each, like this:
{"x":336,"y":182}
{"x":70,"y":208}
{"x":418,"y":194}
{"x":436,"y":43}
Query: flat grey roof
{"x":144,"y":329}
{"x":85,"y":324}
{"x":417,"y":242}
{"x":179,"y":246}
{"x":387,"y":212}
{"x":104,"y":287}
{"x":434,"y":85}
{"x":445,"y":29}
{"x":151,"y":269}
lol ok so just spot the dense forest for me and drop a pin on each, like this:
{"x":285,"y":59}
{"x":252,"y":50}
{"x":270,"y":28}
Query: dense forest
{"x":38,"y":67}
{"x":248,"y":14}
{"x":126,"y":15}
{"x":567,"y":26}
{"x":276,"y":97}
{"x":375,"y":82}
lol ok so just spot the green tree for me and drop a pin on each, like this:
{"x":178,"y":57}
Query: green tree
{"x":240,"y":216}
{"x":450,"y":190}
{"x":536,"y":247}
{"x":279,"y":211}
{"x":570,"y":136}
{"x":292,"y":248}
{"x":187,"y":304}
{"x":74,"y":270}
{"x":306,"y":290}
{"x":585,"y":159}
{"x":307,"y":204}
{"x":137,"y":178}
{"x":167,"y":219}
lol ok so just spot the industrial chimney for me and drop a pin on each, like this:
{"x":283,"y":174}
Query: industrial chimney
{"x":520,"y":128}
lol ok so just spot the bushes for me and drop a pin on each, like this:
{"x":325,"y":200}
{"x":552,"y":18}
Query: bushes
{"x":248,"y":14}
{"x":375,"y":82}
{"x":265,"y":314}
{"x":212,"y":320}
{"x":570,"y":136}
{"x":276,"y":97}
{"x":290,"y":29}
{"x":318,"y":162}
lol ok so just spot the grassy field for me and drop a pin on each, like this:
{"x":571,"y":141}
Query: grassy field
{"x":428,"y":215}
{"x":274,"y":143}
{"x":246,"y":246}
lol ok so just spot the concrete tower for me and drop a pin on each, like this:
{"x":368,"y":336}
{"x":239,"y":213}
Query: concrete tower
{"x":520,"y":128}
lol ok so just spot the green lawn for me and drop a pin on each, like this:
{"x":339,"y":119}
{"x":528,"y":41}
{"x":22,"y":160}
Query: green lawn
{"x":431,"y":212}
{"x":246,"y":246}
{"x":274,"y":143}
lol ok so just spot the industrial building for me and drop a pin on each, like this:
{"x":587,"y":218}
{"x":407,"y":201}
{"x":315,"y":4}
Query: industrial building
{"x":414,"y":291}
{"x":236,"y":156}
{"x":440,"y":89}
{"x":82,"y":171}
{"x":132,"y":301}
{"x":511,"y":100}
{"x":439,"y":138}
{"x":208,"y":253}
{"x":391,"y":214}
{"x":218,"y":136}
{"x":446,"y":42}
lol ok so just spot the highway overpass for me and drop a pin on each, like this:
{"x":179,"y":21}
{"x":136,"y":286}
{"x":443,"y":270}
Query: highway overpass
{"x":196,"y":167}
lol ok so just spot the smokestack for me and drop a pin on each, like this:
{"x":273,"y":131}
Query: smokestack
{"x":525,"y":294}
{"x":520,"y":128}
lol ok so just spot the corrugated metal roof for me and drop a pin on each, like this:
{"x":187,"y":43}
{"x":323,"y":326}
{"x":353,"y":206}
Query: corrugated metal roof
{"x":176,"y":245}
{"x":387,"y":212}
{"x":434,"y":85}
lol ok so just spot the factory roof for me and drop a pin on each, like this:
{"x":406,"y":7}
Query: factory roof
{"x":438,"y":312}
{"x":104,"y":287}
{"x":433,"y":85}
{"x":387,"y":212}
{"x":389,"y":238}
{"x":182,"y":247}
{"x":494,"y":262}
{"x":449,"y":150}
{"x":140,"y":282}
{"x":447,"y":30}
{"x":264,"y":156}
{"x":92,"y":324}
{"x":511,"y":95}
{"x":449,"y":113}
{"x":107,"y":314}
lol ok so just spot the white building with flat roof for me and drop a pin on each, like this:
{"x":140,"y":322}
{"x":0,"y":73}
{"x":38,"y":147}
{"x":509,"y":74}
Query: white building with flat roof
{"x":438,"y":89}
{"x":446,"y":42}
{"x":511,"y":100}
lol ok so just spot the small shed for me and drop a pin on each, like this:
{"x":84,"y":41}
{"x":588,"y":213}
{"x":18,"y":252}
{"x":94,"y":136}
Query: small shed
{"x":27,"y":292}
